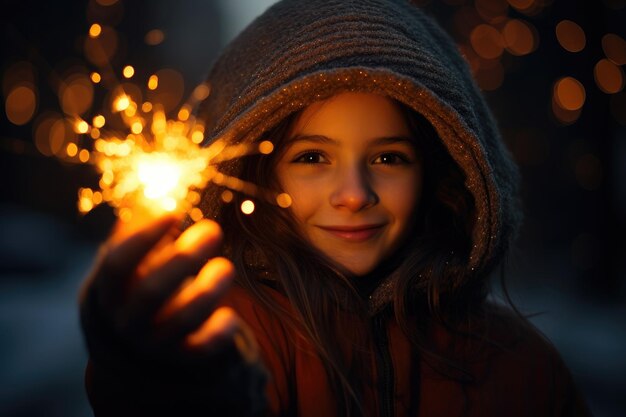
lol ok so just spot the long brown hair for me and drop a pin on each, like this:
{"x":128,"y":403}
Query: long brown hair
{"x":432,"y":282}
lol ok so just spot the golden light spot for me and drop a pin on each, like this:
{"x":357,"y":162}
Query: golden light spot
{"x":196,"y":214}
{"x":98,"y":121}
{"x":136,"y":127}
{"x":608,"y":76}
{"x":99,"y":51}
{"x":519,"y":37}
{"x":95,"y":77}
{"x":125,"y":214}
{"x":131,"y":109}
{"x":20,"y":105}
{"x":266,"y":147}
{"x":121,"y":103}
{"x":83,"y":155}
{"x":85,"y":205}
{"x":247,"y":207}
{"x":614,"y":48}
{"x":201,"y":92}
{"x":95,"y":30}
{"x":283,"y":200}
{"x":193,"y":197}
{"x":153,"y":82}
{"x":95,"y":133}
{"x":97,"y":197}
{"x":569,"y":93}
{"x":197,"y":137}
{"x":183,"y":114}
{"x":146,"y":107}
{"x":71,"y":149}
{"x":487,"y":41}
{"x":227,"y":196}
{"x":154,"y":37}
{"x":81,"y":126}
{"x":571,"y":36}
{"x":128,"y":71}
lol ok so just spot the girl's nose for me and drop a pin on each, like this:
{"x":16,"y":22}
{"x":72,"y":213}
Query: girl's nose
{"x":353,"y":191}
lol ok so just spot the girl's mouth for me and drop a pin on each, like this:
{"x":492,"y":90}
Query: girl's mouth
{"x":354,"y":233}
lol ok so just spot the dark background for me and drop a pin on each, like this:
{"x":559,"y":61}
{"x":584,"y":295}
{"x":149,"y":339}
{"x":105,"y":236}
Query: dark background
{"x":568,"y":269}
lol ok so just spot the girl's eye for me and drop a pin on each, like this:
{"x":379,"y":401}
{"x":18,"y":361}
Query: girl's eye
{"x":391,"y":159}
{"x":310,"y":157}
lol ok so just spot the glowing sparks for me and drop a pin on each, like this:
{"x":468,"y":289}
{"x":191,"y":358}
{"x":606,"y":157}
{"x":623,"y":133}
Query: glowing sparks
{"x":128,"y":71}
{"x":121,"y":103}
{"x":95,"y":77}
{"x":247,"y":207}
{"x":95,"y":30}
{"x":153,"y":82}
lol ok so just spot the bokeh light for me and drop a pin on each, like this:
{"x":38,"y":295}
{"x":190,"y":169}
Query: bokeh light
{"x":487,"y":41}
{"x":571,"y":36}
{"x":519,"y":37}
{"x":614,"y":47}
{"x":609,"y":77}
{"x":20,"y":104}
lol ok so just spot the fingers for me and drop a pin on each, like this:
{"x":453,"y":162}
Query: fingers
{"x":119,"y":259}
{"x":224,"y":327}
{"x":190,"y":307}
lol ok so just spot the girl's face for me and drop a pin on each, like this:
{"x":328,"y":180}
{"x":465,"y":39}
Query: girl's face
{"x":355,"y":178}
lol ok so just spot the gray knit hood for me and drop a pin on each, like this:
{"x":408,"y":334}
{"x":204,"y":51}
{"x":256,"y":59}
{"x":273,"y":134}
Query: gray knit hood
{"x":301,"y":51}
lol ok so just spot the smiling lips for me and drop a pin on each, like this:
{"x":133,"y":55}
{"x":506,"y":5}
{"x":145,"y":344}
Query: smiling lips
{"x":354,"y":233}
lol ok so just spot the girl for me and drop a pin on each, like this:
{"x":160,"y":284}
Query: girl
{"x":367,"y":296}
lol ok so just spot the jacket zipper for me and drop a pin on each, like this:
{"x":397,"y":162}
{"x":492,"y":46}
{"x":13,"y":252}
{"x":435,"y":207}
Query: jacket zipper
{"x":384,"y":367}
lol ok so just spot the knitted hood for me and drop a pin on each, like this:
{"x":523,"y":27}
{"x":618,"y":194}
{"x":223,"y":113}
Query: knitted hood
{"x":301,"y":51}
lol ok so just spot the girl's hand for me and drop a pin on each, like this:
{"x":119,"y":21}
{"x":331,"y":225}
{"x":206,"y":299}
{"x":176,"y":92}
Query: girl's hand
{"x":156,"y":293}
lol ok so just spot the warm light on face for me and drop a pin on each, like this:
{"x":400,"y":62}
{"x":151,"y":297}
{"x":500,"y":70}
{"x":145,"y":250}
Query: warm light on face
{"x":351,"y":176}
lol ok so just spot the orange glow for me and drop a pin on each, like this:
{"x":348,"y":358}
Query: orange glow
{"x":81,"y":126}
{"x":20,"y":104}
{"x":136,"y":127}
{"x":227,"y":196}
{"x":608,"y":76}
{"x":83,"y":156}
{"x":121,"y":103}
{"x":615,"y":48}
{"x":266,"y":147}
{"x":153,"y":82}
{"x":95,"y":77}
{"x":154,"y":37}
{"x":487,"y":41}
{"x":95,"y":30}
{"x":71,"y":149}
{"x":247,"y":207}
{"x":201,"y":92}
{"x":569,"y":93}
{"x":99,"y":51}
{"x":571,"y":36}
{"x":183,"y":114}
{"x":95,"y":133}
{"x":519,"y":37}
{"x":99,"y":121}
{"x":283,"y":200}
{"x":146,"y":107}
{"x":128,"y":71}
{"x":196,"y":214}
{"x":197,"y":137}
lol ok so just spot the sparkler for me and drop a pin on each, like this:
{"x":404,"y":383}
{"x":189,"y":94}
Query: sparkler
{"x":148,"y":164}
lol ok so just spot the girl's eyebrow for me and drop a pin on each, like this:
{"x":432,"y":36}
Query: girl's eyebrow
{"x":385,"y":140}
